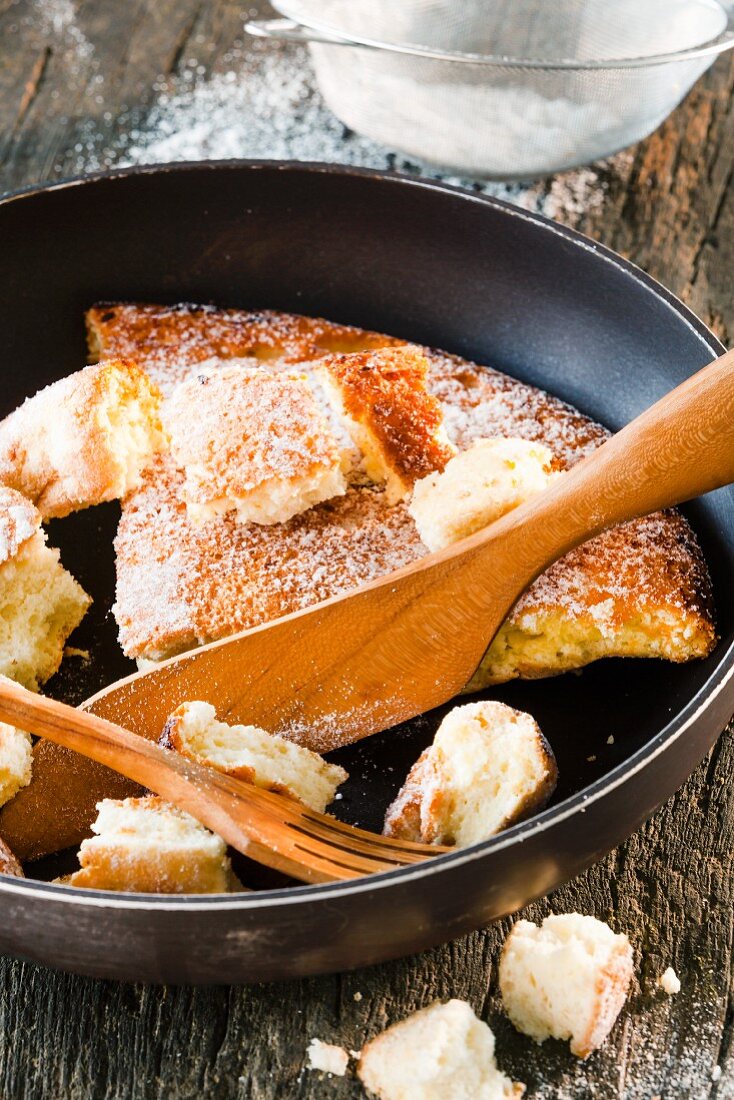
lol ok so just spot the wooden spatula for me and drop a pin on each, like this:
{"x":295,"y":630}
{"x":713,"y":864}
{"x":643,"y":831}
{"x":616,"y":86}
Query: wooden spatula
{"x":409,"y":641}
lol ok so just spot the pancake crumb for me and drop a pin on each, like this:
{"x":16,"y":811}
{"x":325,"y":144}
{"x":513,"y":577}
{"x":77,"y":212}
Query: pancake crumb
{"x":669,"y":982}
{"x":327,"y":1058}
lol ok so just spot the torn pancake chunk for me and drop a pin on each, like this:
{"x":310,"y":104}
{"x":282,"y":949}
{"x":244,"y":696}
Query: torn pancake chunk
{"x":489,"y":765}
{"x":477,"y":487}
{"x":148,"y":846}
{"x":249,"y":753}
{"x":40,"y":603}
{"x":640,"y":590}
{"x":443,"y":1052}
{"x":565,"y":979}
{"x":16,"y":756}
{"x":252,"y":442}
{"x":394,"y":420}
{"x":82,"y":440}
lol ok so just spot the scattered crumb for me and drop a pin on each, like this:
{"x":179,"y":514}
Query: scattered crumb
{"x":72,"y":651}
{"x":357,"y":996}
{"x":590,"y":759}
{"x":610,"y":739}
{"x":327,"y":1058}
{"x":669,"y":982}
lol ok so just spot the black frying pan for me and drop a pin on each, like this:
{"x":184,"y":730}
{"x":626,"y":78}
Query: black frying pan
{"x":439,"y":266}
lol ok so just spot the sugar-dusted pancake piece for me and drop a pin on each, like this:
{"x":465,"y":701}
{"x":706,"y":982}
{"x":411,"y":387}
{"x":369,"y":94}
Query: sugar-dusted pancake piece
{"x":394,"y":420}
{"x":252,"y":755}
{"x":253,"y":442}
{"x":146,"y":845}
{"x":487,"y":767}
{"x":640,"y":590}
{"x":82,"y":440}
{"x":40,"y":603}
{"x":180,"y":584}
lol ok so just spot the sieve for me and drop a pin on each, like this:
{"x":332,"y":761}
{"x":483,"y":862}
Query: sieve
{"x":505,"y":89}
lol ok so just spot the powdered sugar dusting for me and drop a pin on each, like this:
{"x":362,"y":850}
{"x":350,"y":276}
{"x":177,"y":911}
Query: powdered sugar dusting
{"x":236,"y":430}
{"x":267,"y":105}
{"x":179,"y":585}
{"x":57,"y":19}
{"x":19,"y":521}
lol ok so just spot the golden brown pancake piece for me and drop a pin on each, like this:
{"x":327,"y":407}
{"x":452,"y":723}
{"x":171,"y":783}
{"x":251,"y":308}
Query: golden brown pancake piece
{"x":641,"y":590}
{"x":169,"y":340}
{"x":391,"y":415}
{"x":82,"y":440}
{"x":146,"y":845}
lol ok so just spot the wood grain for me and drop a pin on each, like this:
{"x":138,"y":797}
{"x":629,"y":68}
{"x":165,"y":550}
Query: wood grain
{"x":668,"y":205}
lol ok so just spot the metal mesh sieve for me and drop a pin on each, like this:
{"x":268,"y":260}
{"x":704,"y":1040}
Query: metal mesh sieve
{"x":509,"y":89}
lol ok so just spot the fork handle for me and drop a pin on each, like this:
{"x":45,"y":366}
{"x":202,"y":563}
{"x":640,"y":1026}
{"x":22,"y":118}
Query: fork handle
{"x":679,"y":448}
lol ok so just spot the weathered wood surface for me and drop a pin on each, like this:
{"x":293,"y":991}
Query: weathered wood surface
{"x":69,"y":76}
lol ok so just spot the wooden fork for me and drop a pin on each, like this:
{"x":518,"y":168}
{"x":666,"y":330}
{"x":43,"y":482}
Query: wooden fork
{"x":381,"y":654}
{"x":267,"y":827}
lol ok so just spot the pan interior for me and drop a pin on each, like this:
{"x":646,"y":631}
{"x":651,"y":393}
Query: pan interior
{"x":417,"y":263}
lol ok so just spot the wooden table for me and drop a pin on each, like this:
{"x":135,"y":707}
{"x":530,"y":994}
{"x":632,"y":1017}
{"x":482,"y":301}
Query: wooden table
{"x":79,"y":84}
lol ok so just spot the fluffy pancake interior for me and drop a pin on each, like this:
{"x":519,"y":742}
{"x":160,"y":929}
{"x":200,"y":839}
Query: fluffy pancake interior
{"x":567,"y":978}
{"x":250,"y":753}
{"x":477,"y":487}
{"x":40,"y":605}
{"x":439,"y":1052}
{"x":147,"y":845}
{"x":128,"y":415}
{"x":15,"y":761}
{"x":488,"y":766}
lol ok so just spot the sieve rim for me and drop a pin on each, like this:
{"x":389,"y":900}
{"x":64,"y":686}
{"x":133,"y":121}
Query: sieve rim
{"x":712,"y":47}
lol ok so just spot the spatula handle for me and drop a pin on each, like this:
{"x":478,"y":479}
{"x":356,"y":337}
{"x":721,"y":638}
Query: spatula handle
{"x":679,"y":448}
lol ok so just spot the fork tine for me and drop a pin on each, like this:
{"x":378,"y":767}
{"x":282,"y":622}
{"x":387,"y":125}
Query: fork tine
{"x":349,"y":838}
{"x":332,"y":831}
{"x":343,"y":863}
